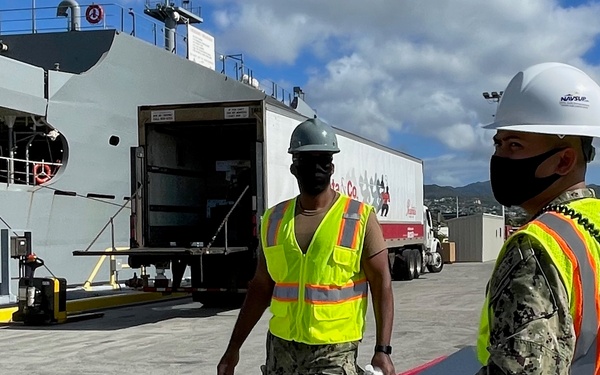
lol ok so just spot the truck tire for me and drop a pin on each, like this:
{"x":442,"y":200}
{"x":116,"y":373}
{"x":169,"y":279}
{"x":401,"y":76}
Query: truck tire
{"x":418,"y":262}
{"x":410,"y":261}
{"x":403,"y":265}
{"x":437,"y":262}
{"x":398,"y":265}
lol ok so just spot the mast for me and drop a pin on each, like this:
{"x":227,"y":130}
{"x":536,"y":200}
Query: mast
{"x":172,"y":15}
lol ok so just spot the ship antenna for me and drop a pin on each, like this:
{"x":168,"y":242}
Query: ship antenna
{"x":172,"y":15}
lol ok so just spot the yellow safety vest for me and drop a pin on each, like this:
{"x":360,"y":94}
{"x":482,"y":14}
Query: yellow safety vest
{"x":319,"y":297}
{"x":576,"y":255}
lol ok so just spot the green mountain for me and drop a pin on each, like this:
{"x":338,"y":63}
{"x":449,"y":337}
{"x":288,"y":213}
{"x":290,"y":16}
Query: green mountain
{"x":482,"y":190}
{"x":474,"y":190}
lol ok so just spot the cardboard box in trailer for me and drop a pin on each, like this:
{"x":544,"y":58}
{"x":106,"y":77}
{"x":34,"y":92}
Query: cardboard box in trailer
{"x":205,"y":173}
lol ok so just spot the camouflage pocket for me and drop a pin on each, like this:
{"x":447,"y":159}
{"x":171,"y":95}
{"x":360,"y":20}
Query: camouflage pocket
{"x":519,"y":251}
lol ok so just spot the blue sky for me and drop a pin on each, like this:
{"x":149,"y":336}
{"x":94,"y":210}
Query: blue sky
{"x":408,"y":74}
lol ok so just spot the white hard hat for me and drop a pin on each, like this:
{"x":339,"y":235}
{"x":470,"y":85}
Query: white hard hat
{"x":550,"y":98}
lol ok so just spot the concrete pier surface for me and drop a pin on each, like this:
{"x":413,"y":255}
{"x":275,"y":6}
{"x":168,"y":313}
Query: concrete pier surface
{"x":435,"y":315}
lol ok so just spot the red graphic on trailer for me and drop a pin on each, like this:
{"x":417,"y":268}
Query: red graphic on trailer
{"x":385,"y":201}
{"x":372,"y":190}
{"x":401,"y":231}
{"x":410,"y":209}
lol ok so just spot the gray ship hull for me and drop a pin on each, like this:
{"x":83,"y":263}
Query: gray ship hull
{"x":94,"y":83}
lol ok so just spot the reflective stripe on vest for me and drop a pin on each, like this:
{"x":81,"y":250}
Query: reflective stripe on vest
{"x":274,"y":222}
{"x":285,"y":292}
{"x":348,"y":235}
{"x":586,"y":315}
{"x":349,"y":230}
{"x":322,"y":294}
{"x":586,"y":364}
{"x":570,"y":241}
{"x":331,"y":294}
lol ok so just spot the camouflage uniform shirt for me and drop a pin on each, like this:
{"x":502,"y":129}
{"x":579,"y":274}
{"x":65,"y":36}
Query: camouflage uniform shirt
{"x":531,"y":329}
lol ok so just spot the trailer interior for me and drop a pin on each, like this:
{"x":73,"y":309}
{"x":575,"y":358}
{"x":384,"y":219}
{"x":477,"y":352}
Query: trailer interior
{"x":195,"y":173}
{"x":199,"y":182}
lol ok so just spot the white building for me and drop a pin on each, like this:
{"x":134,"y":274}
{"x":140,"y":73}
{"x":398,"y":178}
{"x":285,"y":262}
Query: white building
{"x":478,"y":237}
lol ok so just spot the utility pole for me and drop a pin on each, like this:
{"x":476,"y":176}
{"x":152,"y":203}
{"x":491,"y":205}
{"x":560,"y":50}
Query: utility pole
{"x":33,"y":16}
{"x":457,"y":206}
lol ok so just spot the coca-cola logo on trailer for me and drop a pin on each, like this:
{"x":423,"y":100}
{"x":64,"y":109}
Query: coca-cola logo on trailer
{"x":345,"y":187}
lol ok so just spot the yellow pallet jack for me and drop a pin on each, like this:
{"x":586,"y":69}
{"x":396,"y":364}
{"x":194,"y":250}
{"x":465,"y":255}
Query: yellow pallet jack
{"x":43,"y":300}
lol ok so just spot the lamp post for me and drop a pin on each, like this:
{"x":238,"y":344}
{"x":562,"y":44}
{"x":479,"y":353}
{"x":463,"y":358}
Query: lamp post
{"x":494,"y":97}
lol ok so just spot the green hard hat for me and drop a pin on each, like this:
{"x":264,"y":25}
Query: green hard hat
{"x":313,"y":135}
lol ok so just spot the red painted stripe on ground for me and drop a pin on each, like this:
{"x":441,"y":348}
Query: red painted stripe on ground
{"x":418,"y":369}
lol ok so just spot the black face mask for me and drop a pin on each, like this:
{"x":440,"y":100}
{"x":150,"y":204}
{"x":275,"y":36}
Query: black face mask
{"x":513,"y":180}
{"x":313,"y":173}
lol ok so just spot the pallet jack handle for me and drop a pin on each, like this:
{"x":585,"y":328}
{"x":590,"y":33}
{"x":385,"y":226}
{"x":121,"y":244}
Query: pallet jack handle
{"x":30,"y":263}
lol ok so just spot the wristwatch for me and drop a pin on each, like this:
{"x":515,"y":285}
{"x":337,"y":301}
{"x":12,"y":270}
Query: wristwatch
{"x":384,"y":349}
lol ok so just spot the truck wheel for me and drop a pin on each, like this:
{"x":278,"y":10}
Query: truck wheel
{"x":437,"y":262}
{"x":410,"y":261}
{"x":403,"y":268}
{"x":418,"y":262}
{"x":398,"y":267}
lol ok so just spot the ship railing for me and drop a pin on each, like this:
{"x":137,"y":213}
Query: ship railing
{"x":33,"y":20}
{"x":12,"y":174}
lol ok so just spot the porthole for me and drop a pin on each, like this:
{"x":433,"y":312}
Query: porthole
{"x":113,"y":140}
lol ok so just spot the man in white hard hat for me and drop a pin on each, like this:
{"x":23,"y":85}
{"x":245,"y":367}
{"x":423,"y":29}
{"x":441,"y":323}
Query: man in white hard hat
{"x":542,"y":304}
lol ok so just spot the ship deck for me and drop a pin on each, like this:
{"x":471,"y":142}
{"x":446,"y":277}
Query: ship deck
{"x":435,"y":316}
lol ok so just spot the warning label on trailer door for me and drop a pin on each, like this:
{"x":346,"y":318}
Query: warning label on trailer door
{"x":163,"y":116}
{"x":237,"y":112}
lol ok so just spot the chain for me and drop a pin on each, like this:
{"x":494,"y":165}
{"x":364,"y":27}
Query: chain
{"x":581,"y":220}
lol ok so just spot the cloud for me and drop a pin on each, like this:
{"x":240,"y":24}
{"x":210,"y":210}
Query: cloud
{"x":260,"y":29}
{"x":417,"y":67}
{"x":453,"y":169}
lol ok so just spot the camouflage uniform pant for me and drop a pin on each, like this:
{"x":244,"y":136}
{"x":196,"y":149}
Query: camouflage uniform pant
{"x":293,"y":358}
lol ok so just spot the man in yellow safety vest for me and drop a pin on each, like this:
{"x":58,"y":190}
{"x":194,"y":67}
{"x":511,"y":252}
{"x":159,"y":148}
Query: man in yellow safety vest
{"x":542,"y":305}
{"x":320,"y":253}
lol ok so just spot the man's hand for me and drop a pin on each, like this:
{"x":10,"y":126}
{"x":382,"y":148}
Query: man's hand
{"x":258,"y":297}
{"x":228,"y":362}
{"x":384,"y":362}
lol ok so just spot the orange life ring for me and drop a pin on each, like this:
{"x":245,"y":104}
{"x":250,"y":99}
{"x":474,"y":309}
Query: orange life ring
{"x":94,"y":13}
{"x":42,"y":173}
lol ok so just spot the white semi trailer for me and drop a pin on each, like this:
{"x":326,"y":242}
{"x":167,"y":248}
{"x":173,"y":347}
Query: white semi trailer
{"x":205,"y":173}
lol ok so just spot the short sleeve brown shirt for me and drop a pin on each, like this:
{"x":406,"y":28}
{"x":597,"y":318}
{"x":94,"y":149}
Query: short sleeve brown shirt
{"x":306,"y":223}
